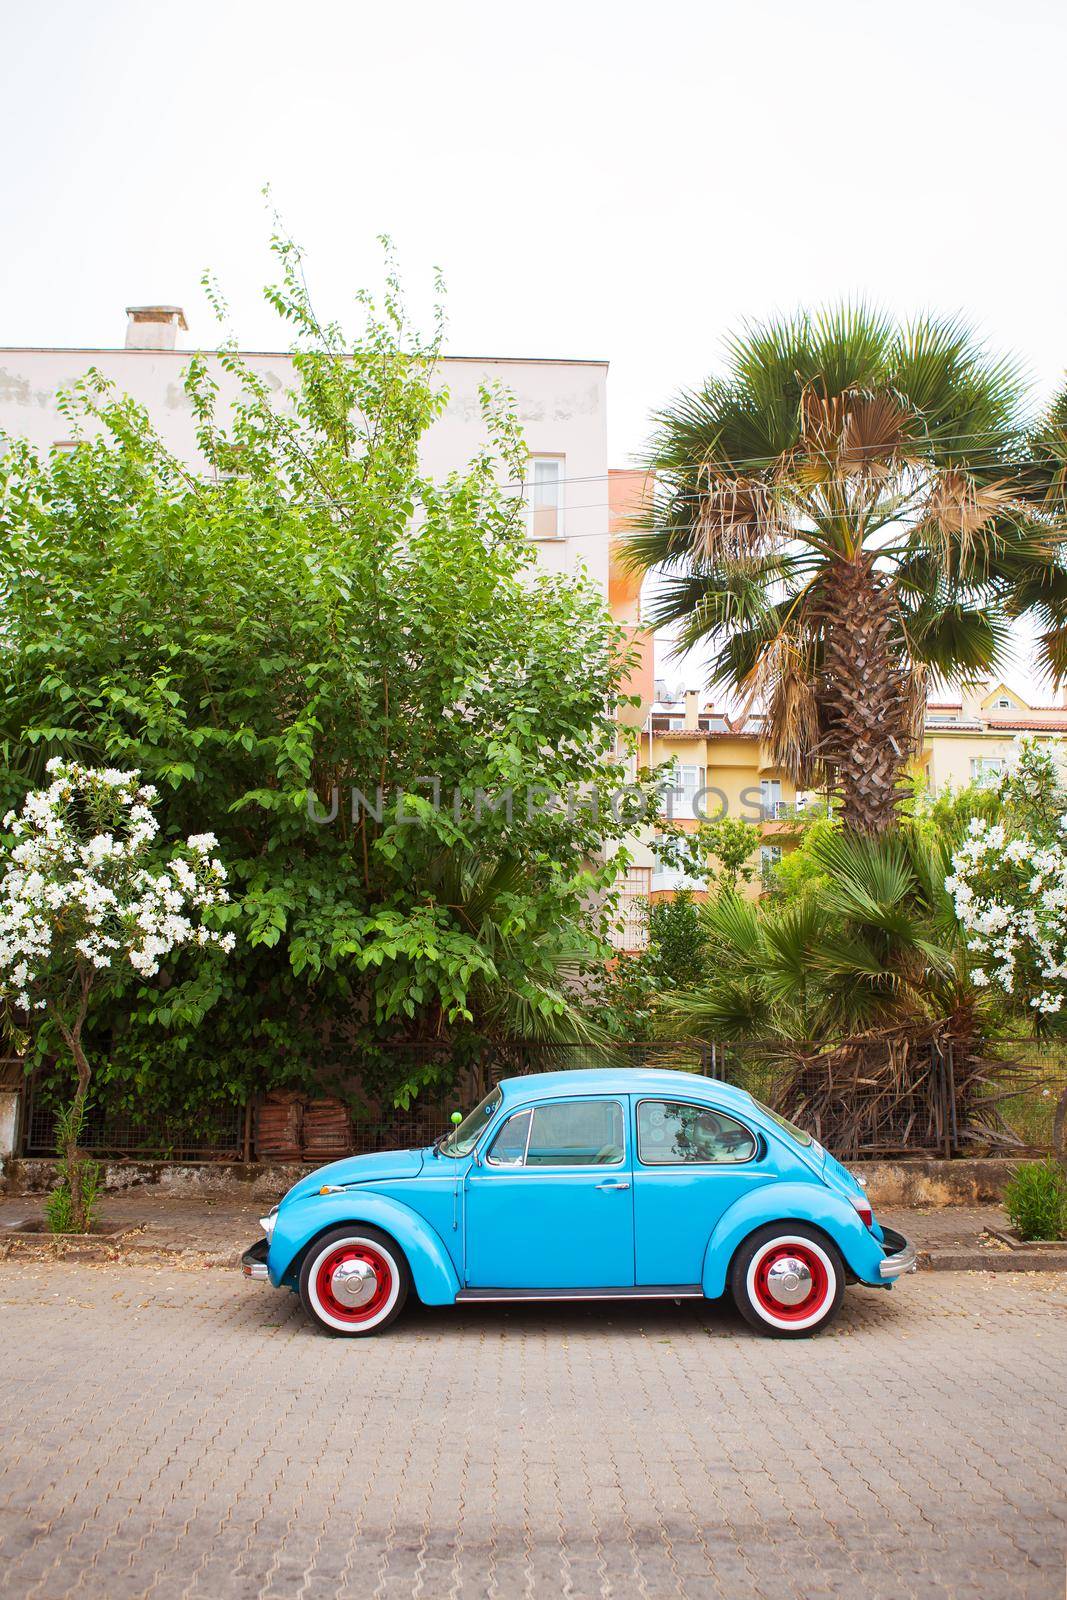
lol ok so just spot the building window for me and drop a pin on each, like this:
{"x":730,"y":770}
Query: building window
{"x":769,"y":857}
{"x":546,"y":497}
{"x":631,"y":928}
{"x":686,"y":784}
{"x":770,"y":793}
{"x":985,"y":768}
{"x":1004,"y":705}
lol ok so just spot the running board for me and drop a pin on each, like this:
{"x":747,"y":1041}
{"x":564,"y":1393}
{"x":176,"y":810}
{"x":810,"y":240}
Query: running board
{"x":663,"y":1291}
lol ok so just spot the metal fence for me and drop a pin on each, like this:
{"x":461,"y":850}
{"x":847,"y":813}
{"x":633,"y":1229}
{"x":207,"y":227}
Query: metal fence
{"x":878,"y":1099}
{"x":1014,"y":1101}
{"x":381,"y":1126}
{"x":899,"y":1097}
{"x":113,"y":1129}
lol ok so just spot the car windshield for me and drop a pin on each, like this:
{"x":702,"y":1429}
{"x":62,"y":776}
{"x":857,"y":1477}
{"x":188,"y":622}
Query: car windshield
{"x":461,"y":1141}
{"x":783,"y":1122}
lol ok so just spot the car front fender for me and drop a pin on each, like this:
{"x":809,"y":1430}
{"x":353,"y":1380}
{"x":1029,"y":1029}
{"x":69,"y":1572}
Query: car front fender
{"x":791,"y":1202}
{"x":303,"y":1220}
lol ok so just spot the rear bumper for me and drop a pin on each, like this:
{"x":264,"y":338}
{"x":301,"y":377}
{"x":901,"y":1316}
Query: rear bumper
{"x":254,"y":1260}
{"x":901,"y":1257}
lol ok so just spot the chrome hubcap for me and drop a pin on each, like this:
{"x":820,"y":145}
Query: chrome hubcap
{"x":789,"y":1281}
{"x":354,"y":1282}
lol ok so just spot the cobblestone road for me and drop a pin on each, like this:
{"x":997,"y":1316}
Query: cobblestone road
{"x":178,"y":1433}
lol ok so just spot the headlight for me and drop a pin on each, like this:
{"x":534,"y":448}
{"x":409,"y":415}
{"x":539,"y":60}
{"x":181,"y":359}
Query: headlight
{"x":267,"y":1222}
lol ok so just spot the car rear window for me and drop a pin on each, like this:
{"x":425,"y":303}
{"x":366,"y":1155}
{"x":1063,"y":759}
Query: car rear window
{"x":676,"y":1132}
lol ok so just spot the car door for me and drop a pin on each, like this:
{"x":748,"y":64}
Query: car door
{"x":549,"y":1201}
{"x":691,"y":1162}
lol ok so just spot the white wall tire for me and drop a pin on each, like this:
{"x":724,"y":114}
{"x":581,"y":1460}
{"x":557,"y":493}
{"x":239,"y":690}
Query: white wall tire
{"x":354,"y":1281}
{"x":788,"y":1280}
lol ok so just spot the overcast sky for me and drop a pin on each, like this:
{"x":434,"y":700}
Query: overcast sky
{"x":623,"y":181}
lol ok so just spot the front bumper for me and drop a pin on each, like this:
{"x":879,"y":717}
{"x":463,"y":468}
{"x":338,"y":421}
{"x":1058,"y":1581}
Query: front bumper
{"x":254,"y":1260}
{"x":903,"y":1257}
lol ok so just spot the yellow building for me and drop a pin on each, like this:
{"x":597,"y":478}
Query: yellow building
{"x":971,"y":738}
{"x":723,"y":765}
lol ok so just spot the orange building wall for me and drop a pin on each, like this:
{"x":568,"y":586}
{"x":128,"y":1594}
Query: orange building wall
{"x":629,"y":492}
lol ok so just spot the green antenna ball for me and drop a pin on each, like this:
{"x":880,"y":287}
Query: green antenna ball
{"x":457,"y":1118}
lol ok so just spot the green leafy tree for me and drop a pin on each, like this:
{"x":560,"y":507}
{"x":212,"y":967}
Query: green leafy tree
{"x":310,"y":619}
{"x":853,"y":507}
{"x":626,"y":996}
{"x":721,"y":851}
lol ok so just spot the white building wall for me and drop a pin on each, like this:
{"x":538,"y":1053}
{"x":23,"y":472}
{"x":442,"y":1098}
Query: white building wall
{"x":561,"y":406}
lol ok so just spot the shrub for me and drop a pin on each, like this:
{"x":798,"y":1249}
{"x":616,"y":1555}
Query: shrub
{"x":1036,"y":1200}
{"x":71,"y":1206}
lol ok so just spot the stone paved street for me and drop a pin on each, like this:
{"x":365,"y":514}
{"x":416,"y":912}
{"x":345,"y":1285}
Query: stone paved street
{"x":173,"y":1432}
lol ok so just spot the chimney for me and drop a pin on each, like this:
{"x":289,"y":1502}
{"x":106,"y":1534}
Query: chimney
{"x":154,"y":327}
{"x":692,"y":708}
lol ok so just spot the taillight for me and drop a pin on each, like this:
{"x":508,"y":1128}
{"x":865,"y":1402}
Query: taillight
{"x":863,"y":1209}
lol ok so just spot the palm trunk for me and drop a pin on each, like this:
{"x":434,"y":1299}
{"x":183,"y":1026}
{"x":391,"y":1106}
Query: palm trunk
{"x":865,"y":700}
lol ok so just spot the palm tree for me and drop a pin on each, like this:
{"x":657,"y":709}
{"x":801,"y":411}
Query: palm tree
{"x":853,"y":508}
{"x":854,"y":992}
{"x":873,"y":947}
{"x":526,"y":973}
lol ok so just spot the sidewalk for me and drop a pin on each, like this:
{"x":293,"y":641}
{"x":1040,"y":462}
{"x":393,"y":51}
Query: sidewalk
{"x":214,"y":1233}
{"x":203,"y":1232}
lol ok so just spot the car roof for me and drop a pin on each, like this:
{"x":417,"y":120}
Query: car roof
{"x":622,"y":1080}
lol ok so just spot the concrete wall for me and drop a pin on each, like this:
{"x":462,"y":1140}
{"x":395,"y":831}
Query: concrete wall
{"x":915,"y":1181}
{"x":561,"y":406}
{"x":628,"y":496}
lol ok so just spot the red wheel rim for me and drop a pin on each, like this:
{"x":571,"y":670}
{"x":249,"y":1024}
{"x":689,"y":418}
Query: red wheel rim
{"x":383,"y":1288}
{"x":812,"y":1301}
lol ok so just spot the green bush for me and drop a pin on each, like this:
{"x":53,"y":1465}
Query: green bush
{"x":59,"y":1207}
{"x":1036,"y":1200}
{"x":71,"y":1206}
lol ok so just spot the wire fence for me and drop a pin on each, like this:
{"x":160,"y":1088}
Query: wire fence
{"x":384,"y":1126}
{"x":113,"y":1129}
{"x":880,"y":1098}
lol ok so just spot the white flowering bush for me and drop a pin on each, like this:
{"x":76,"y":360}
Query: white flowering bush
{"x":1009,"y":887}
{"x":86,"y":902}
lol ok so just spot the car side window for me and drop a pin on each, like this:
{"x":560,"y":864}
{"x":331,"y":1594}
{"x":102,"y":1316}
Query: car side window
{"x":675,"y":1133}
{"x":576,"y":1133}
{"x":508,"y":1149}
{"x":562,"y":1133}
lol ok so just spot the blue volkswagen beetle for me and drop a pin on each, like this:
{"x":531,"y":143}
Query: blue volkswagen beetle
{"x":599,"y":1184}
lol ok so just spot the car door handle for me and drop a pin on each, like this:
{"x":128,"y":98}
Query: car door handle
{"x":615,"y":1185}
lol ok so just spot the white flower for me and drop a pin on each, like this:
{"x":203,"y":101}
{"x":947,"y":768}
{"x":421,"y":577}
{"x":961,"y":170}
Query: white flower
{"x":95,"y":900}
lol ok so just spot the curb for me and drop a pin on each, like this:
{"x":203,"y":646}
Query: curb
{"x":104,"y":1250}
{"x":993,"y":1260}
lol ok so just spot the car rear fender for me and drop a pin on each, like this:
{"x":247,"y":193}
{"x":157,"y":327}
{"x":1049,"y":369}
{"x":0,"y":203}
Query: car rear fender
{"x":791,"y":1202}
{"x":305,"y":1219}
